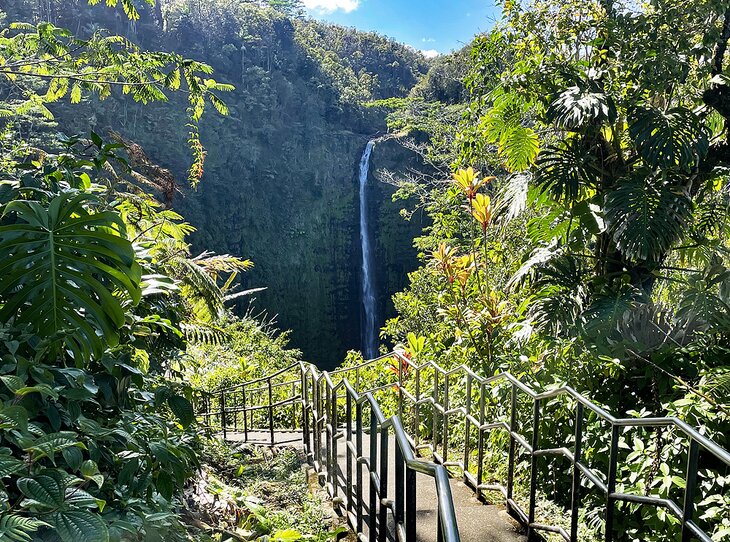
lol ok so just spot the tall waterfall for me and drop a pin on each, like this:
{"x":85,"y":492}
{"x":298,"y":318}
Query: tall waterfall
{"x":369,"y":330}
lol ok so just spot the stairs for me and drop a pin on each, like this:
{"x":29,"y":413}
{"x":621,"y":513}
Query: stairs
{"x":476,"y":521}
{"x":334,"y":420}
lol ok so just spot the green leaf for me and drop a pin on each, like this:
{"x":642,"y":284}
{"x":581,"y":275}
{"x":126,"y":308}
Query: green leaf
{"x":15,"y":528}
{"x":646,"y":216}
{"x":575,"y":108}
{"x":565,"y":169}
{"x":165,"y":485}
{"x":288,"y":535}
{"x":49,"y":445}
{"x":675,"y":138}
{"x":75,"y":94}
{"x":10,"y":465}
{"x":66,"y":270}
{"x":520,"y":146}
{"x":42,"y":492}
{"x":13,"y":417}
{"x":79,"y":526}
{"x":90,"y":471}
{"x":182,"y":408}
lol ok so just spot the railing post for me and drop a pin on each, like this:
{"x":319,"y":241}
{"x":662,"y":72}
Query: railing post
{"x":533,"y":468}
{"x":399,"y":494}
{"x":511,"y":456}
{"x":271,"y":412}
{"x":693,"y":455}
{"x":383,"y":511}
{"x":445,"y":422}
{"x":577,"y":455}
{"x":223,"y":414}
{"x":401,"y":367}
{"x":348,"y":454}
{"x":467,"y":425}
{"x":417,"y":409}
{"x":317,"y":422}
{"x":480,"y":453}
{"x":373,"y":517}
{"x":305,"y":414}
{"x":434,"y":435}
{"x":294,"y":405}
{"x":245,"y":413}
{"x":411,"y":504}
{"x":359,"y":465}
{"x":331,"y":468}
{"x":611,"y":484}
{"x":235,"y":411}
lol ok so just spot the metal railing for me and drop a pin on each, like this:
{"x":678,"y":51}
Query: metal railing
{"x":428,"y":409}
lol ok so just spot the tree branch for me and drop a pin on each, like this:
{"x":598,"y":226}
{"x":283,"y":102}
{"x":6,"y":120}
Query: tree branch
{"x":721,"y":46}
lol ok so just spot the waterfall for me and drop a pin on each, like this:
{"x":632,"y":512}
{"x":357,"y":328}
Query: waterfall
{"x":369,"y":330}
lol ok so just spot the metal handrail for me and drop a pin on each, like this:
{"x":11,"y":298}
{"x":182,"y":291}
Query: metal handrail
{"x":402,"y":505}
{"x":319,"y":396}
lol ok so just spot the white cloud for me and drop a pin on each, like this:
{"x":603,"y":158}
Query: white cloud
{"x":428,"y":40}
{"x":332,"y":5}
{"x":430,"y":53}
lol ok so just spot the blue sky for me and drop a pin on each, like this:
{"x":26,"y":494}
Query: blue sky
{"x":429,"y":25}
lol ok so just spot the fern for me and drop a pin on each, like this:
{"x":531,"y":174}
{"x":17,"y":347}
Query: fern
{"x":17,"y":528}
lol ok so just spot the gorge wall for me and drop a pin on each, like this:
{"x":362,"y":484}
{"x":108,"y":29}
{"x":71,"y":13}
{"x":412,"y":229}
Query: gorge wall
{"x":281,"y":173}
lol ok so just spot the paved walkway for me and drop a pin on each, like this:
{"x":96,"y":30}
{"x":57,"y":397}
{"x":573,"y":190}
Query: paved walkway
{"x":477,"y":522}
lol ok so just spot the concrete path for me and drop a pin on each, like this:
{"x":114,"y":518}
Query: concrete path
{"x":477,"y":522}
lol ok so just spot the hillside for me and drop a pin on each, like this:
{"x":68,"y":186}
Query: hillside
{"x":280,"y":184}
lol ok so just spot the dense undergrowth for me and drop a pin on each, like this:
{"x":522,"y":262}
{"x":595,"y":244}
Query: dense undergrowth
{"x":247,"y":492}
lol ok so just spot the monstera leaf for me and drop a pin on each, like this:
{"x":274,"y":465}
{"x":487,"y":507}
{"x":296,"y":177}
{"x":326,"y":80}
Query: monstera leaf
{"x":67,"y":271}
{"x":565,"y":169}
{"x":675,"y":138}
{"x":646,"y":215}
{"x":575,"y":108}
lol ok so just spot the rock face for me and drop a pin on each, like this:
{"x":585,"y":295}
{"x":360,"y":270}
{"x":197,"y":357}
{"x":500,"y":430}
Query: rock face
{"x":280,"y":184}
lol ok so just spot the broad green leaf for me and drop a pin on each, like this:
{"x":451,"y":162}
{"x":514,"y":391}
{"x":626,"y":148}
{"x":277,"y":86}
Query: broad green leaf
{"x":182,"y":408}
{"x":10,"y":465}
{"x":646,"y":216}
{"x":79,"y":526}
{"x":42,"y":492}
{"x":67,"y":270}
{"x":519,"y":146}
{"x":675,"y":138}
{"x":90,"y":471}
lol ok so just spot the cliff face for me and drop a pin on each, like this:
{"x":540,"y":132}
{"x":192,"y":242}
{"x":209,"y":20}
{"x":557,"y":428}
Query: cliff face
{"x":280,"y":184}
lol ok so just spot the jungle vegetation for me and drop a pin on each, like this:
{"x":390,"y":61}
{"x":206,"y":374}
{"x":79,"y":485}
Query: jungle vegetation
{"x":580,"y":228}
{"x":574,"y":177}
